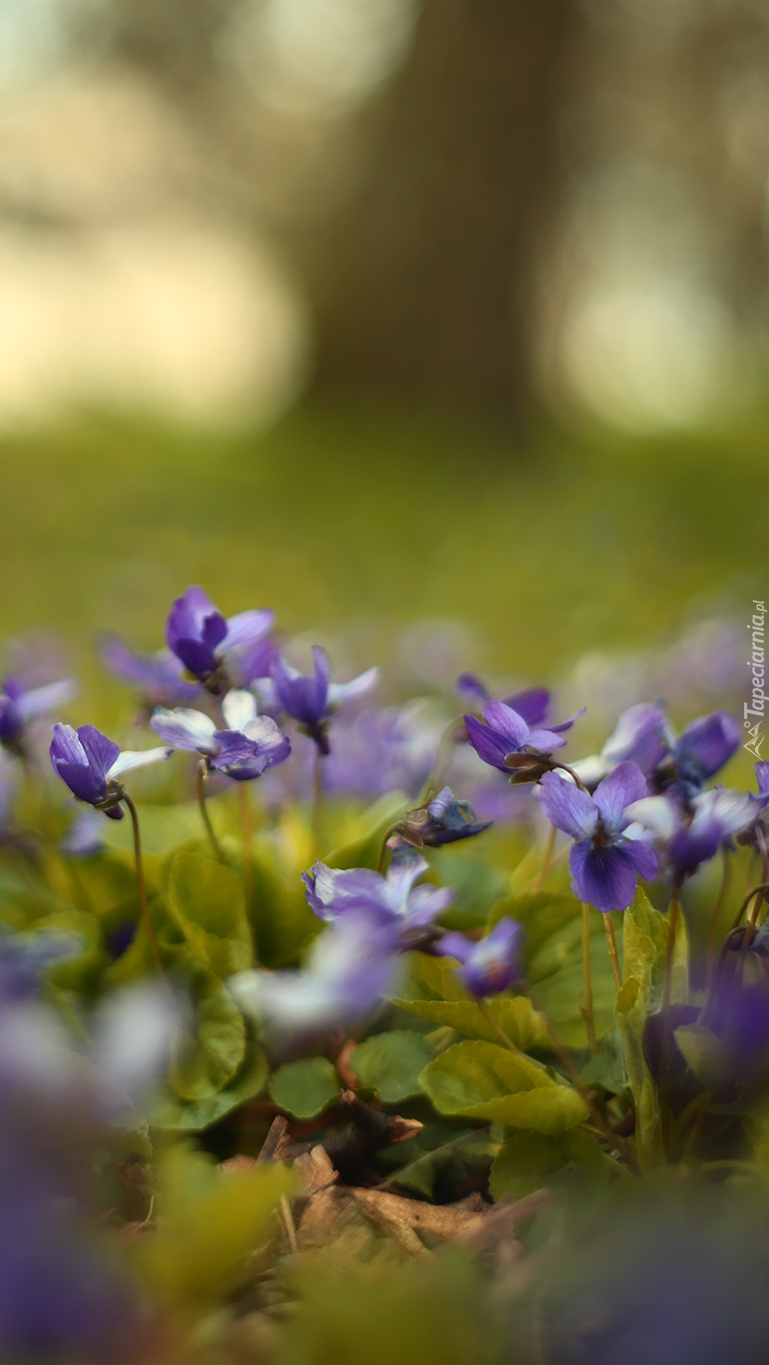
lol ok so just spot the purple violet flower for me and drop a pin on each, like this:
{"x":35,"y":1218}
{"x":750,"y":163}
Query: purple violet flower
{"x":533,"y":703}
{"x":334,"y":893}
{"x":243,"y":751}
{"x":198,"y":634}
{"x":157,"y":677}
{"x":490,"y":965}
{"x":638,"y":737}
{"x":702,"y":748}
{"x":19,"y":705}
{"x":604,"y":860}
{"x":312,"y":700}
{"x":504,"y":733}
{"x":350,"y":967}
{"x":690,"y":838}
{"x":445,"y":820}
{"x":90,"y":764}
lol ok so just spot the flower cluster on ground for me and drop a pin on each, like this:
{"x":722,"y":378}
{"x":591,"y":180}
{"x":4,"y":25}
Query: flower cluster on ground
{"x":305,"y":1009}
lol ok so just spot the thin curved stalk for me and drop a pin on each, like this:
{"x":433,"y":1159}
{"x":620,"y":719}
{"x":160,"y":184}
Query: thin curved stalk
{"x":201,"y":786}
{"x":611,"y":940}
{"x":500,"y":1032}
{"x":145,"y":909}
{"x":587,"y":981}
{"x":715,"y":918}
{"x":546,"y":860}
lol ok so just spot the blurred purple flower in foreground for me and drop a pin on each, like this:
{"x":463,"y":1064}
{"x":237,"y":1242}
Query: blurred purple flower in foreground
{"x":604,"y":859}
{"x":351,"y":965}
{"x":492,"y":964}
{"x":392,"y":900}
{"x":249,"y":746}
{"x":90,"y":764}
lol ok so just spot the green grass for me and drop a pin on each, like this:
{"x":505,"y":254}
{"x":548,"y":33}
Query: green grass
{"x":335,"y":517}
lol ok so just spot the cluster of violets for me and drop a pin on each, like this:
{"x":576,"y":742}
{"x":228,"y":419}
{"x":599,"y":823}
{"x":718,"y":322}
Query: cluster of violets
{"x":639,"y":808}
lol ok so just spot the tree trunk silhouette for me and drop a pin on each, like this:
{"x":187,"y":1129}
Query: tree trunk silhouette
{"x":423,"y":284}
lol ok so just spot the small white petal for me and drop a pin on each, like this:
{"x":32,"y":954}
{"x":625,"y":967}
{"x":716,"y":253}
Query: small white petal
{"x":239,"y":708}
{"x":656,"y":814}
{"x":48,"y":698}
{"x":185,"y":728}
{"x":132,"y":758}
{"x":355,"y":688}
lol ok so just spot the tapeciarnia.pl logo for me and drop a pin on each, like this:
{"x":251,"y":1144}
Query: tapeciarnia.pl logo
{"x":756,"y":664}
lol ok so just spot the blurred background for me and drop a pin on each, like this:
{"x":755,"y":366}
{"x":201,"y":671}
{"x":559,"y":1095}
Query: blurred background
{"x":440,"y":326}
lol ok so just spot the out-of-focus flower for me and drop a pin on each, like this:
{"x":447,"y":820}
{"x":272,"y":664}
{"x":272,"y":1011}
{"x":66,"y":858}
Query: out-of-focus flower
{"x":198,"y":634}
{"x":492,"y":964}
{"x":334,"y":893}
{"x":90,"y":764}
{"x":638,"y":737}
{"x":312,"y":700}
{"x":604,"y":859}
{"x":699,"y":752}
{"x":380,"y":751}
{"x":445,"y":820}
{"x":158,"y":678}
{"x":18,"y":706}
{"x":25,"y":958}
{"x":351,"y":965}
{"x":687,"y":838}
{"x":504,"y":733}
{"x":249,"y":746}
{"x":85,"y":836}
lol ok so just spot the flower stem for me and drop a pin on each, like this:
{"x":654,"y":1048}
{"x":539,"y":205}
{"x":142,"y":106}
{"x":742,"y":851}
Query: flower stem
{"x":500,"y":1032}
{"x":665,"y":1057}
{"x":546,"y":860}
{"x":611,"y":940}
{"x":715,"y":918}
{"x":317,"y":803}
{"x":145,"y":909}
{"x":201,"y":785}
{"x":246,"y":826}
{"x":439,"y":762}
{"x":587,"y":980}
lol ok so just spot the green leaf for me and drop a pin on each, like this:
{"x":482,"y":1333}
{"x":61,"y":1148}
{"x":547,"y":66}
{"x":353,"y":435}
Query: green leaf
{"x":204,"y":1061}
{"x":283,"y":921}
{"x":208,"y":1221}
{"x":528,"y":1161}
{"x":646,"y":937}
{"x":552,"y":960}
{"x":607,"y":1067}
{"x":164,"y":828}
{"x":391,"y":1063}
{"x":171,"y":1112}
{"x":482,"y":1080}
{"x":364,"y":851}
{"x":433,"y":990}
{"x":477,"y":883}
{"x":207,"y":902}
{"x":706,"y":1053}
{"x":306,"y":1087}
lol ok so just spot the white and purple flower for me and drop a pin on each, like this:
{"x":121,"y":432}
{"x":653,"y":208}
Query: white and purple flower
{"x":605,"y":859}
{"x":334,"y":893}
{"x":351,"y":966}
{"x":250,"y":744}
{"x":91,"y":764}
